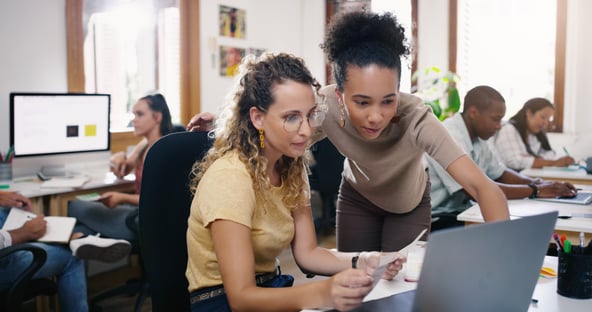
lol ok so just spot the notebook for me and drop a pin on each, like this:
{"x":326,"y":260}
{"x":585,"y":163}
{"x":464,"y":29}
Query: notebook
{"x":582,"y":198}
{"x":486,"y":267}
{"x":59,"y":229}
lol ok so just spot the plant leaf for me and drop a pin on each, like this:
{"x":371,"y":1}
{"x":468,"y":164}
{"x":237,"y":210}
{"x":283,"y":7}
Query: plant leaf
{"x":453,"y":100}
{"x":436,"y":108}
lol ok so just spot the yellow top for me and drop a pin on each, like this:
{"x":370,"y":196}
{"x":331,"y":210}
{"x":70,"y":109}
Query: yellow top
{"x":226,"y":192}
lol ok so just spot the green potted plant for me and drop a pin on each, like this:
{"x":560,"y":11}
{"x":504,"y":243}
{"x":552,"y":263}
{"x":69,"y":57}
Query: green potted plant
{"x":438,"y":90}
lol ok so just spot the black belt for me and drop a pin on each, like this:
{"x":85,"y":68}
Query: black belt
{"x":203,"y":294}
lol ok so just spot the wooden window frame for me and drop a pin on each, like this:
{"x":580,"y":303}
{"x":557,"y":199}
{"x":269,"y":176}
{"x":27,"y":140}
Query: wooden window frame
{"x":560,"y":47}
{"x":190,"y":93}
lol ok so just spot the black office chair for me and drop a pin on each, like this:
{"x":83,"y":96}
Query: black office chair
{"x":165,"y":201}
{"x":325,"y":178}
{"x":25,"y":288}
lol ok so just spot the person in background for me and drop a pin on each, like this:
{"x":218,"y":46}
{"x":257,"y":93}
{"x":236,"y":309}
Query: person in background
{"x":252,"y":201}
{"x":522,"y":142}
{"x":483,"y":111}
{"x":108,"y":215}
{"x":384,"y":197}
{"x":61,"y":263}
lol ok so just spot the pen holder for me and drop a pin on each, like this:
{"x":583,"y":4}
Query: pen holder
{"x":5,"y":171}
{"x":574,"y":277}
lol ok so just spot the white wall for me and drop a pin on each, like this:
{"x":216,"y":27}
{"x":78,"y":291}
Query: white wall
{"x":33,"y":51}
{"x":280,"y":26}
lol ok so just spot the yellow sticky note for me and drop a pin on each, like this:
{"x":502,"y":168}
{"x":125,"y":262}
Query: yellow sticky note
{"x":90,"y":130}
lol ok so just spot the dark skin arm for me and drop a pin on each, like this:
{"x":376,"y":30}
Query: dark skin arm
{"x":31,"y":230}
{"x":515,"y":186}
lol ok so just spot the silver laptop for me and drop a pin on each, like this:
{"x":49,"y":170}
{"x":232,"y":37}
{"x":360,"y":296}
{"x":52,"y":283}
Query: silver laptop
{"x":582,"y":198}
{"x":486,"y":267}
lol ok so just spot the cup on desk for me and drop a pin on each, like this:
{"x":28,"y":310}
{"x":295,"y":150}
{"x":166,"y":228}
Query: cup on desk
{"x":574,"y":277}
{"x":5,"y":171}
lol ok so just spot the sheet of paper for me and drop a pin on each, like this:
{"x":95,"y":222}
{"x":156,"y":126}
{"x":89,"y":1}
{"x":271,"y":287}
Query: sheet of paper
{"x":65,"y":182}
{"x":388,"y":257}
{"x":89,"y":197}
{"x":59,"y":229}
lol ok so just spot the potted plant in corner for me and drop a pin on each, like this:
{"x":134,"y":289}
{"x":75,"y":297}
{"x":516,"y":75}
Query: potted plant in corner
{"x":438,"y":90}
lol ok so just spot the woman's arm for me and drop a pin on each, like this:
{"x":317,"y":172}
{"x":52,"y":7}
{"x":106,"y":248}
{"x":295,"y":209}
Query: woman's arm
{"x":112,"y":199}
{"x":312,"y":258}
{"x":232,"y":241}
{"x":122,"y":164}
{"x":490,"y":197}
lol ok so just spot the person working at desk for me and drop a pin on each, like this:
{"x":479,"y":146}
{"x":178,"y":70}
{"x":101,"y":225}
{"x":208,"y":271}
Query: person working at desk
{"x":61,"y":263}
{"x":484,"y":108}
{"x":252,"y":201}
{"x":522,"y":142}
{"x":384,"y":198}
{"x":108,"y":216}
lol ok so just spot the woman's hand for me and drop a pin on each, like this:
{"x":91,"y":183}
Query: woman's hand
{"x":111,"y":199}
{"x":201,"y":122}
{"x":564,"y":161}
{"x":369,"y":262}
{"x":118,"y":164}
{"x":348,"y":288}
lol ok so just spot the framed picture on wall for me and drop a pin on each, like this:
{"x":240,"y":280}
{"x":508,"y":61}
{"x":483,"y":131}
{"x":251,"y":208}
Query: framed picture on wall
{"x":232,"y":22}
{"x":230,"y":58}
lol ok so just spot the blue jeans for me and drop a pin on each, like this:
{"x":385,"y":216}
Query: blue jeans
{"x":94,"y":217}
{"x":69,"y":270}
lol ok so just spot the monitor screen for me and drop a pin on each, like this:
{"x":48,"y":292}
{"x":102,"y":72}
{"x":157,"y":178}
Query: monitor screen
{"x":58,"y":123}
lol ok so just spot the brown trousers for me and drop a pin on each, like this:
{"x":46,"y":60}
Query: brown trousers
{"x":363,"y":226}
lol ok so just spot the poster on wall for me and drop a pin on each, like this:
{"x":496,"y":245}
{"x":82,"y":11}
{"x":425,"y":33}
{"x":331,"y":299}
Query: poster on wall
{"x":230,"y":58}
{"x":232,"y":22}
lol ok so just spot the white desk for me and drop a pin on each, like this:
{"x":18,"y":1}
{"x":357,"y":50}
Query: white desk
{"x":578,"y":176}
{"x":545,"y":292}
{"x":525,"y":207}
{"x":56,"y":199}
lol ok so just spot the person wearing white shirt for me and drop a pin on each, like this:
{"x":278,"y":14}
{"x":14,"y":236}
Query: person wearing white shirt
{"x":522,"y":142}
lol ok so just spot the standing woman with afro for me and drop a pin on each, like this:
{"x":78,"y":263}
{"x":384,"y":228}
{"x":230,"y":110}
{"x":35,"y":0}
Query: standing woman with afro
{"x":384,"y":198}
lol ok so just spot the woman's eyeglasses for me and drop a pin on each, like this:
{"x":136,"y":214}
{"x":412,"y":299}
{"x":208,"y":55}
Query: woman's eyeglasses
{"x":292,"y":123}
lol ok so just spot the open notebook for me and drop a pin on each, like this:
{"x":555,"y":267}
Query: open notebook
{"x":582,"y":198}
{"x":59,"y":229}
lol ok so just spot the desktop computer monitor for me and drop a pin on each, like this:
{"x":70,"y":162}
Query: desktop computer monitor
{"x":50,"y":130}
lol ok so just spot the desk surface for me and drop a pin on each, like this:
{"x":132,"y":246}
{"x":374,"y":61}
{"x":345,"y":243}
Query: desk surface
{"x":53,"y":201}
{"x":525,"y":207}
{"x":545,"y":292}
{"x":578,"y":176}
{"x":31,"y":186}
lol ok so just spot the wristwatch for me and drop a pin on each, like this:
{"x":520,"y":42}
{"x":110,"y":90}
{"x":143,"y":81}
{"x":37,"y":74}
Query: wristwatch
{"x":535,"y":190}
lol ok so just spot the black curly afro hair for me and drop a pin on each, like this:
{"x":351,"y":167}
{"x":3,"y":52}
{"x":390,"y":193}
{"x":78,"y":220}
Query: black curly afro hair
{"x":363,"y":38}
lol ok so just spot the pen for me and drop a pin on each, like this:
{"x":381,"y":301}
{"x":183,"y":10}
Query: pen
{"x":557,"y":241}
{"x":565,"y":150}
{"x":567,"y":246}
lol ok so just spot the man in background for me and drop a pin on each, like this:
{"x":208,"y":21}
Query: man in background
{"x":483,"y":111}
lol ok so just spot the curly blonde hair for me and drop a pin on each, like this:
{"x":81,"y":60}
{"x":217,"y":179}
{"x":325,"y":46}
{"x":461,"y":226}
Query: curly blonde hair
{"x":234,"y":131}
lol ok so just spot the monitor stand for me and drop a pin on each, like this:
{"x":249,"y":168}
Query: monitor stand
{"x":48,"y":172}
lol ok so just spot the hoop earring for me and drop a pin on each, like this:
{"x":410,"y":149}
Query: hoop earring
{"x":261,"y":138}
{"x":341,"y":115}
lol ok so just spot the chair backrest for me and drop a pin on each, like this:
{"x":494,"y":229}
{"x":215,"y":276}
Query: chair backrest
{"x":326,"y":172}
{"x":165,"y":201}
{"x":24,"y":287}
